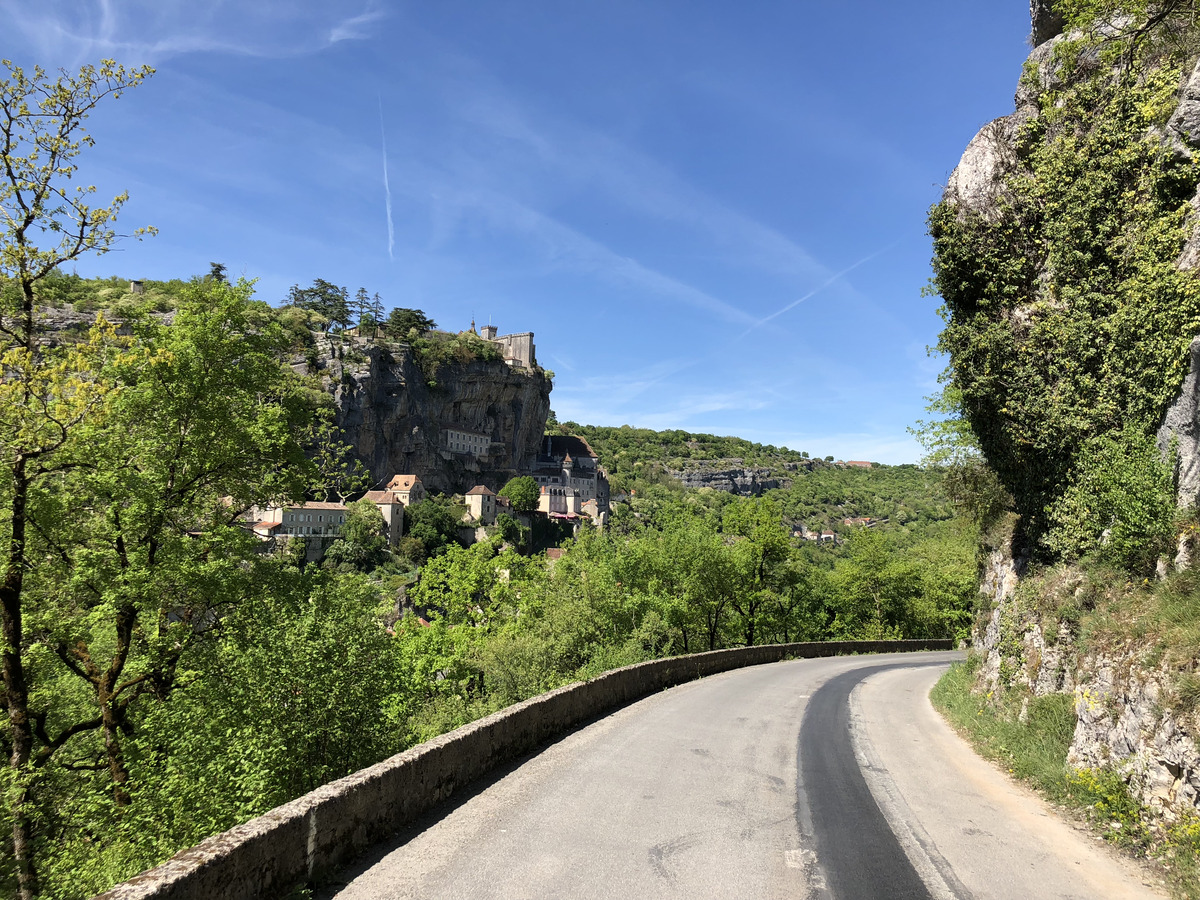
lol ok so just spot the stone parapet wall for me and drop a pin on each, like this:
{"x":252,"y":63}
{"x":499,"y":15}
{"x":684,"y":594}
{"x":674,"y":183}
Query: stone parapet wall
{"x":316,"y":834}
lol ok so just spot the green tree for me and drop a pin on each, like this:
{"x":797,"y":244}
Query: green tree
{"x":401,"y":322}
{"x":328,"y":300}
{"x":134,"y":547}
{"x":874,"y":590}
{"x":363,"y":544}
{"x":46,"y":221}
{"x":1118,"y":505}
{"x":760,"y":552}
{"x":513,"y":531}
{"x":431,"y":528}
{"x":523,"y":492}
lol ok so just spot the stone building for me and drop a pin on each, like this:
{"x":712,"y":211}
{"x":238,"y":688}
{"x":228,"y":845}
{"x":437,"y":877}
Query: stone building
{"x":569,"y":474}
{"x":517,"y":348}
{"x":321,"y":522}
{"x":481,"y":505}
{"x":408,"y":488}
{"x":392,"y":507}
{"x":312,"y":519}
{"x":457,"y":441}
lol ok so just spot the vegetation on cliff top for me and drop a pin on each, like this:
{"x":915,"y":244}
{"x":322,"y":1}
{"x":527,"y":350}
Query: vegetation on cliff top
{"x":1067,"y":320}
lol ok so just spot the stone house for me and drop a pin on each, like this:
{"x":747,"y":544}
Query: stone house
{"x":392,"y":507}
{"x":321,"y":522}
{"x":481,"y":505}
{"x":408,"y":488}
{"x":312,"y":519}
{"x":470,"y":442}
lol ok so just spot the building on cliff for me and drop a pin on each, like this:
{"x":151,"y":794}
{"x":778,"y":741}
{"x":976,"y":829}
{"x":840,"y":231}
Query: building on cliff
{"x":517,"y":348}
{"x":313,"y":519}
{"x":479,"y":421}
{"x":392,"y":507}
{"x":572,"y":481}
{"x":407,"y":488}
{"x":457,"y":441}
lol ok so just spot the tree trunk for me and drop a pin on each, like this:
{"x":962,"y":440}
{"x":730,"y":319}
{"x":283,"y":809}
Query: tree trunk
{"x":111,"y":714}
{"x":16,"y":691}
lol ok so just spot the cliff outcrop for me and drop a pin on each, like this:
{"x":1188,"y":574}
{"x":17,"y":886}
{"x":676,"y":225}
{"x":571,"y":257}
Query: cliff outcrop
{"x":727,"y":476}
{"x":1066,"y":245}
{"x":397,"y":418}
{"x":1129,"y":714}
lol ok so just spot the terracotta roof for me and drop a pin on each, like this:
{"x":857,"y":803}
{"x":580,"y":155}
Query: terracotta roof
{"x":382,"y":497}
{"x":319,"y":504}
{"x":479,"y":491}
{"x":403,"y":482}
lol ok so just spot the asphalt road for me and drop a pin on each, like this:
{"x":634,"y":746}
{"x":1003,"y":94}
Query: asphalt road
{"x":807,"y":779}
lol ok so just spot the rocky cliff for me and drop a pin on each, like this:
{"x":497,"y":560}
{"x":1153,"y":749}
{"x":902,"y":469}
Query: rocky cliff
{"x":731,"y":477}
{"x":396,"y":417}
{"x":1069,"y":326}
{"x":1128,"y":709}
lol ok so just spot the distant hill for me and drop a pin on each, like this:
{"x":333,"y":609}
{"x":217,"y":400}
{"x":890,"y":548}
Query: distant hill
{"x":730,"y":464}
{"x":819,"y":494}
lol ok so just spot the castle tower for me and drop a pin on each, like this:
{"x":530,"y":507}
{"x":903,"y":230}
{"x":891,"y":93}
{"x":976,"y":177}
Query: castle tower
{"x":488,"y":332}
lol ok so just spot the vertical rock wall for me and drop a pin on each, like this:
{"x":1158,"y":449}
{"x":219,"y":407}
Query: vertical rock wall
{"x":393,"y":414}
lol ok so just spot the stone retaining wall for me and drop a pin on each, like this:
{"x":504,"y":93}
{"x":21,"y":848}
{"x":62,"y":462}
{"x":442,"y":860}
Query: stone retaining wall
{"x":318,"y":833}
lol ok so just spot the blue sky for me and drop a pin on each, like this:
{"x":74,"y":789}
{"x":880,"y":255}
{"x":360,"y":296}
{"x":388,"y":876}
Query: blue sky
{"x":712,"y":215}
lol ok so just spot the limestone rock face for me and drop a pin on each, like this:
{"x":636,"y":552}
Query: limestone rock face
{"x":977,"y":181}
{"x":1046,"y":22}
{"x":1019,"y":647}
{"x":1126,"y":702}
{"x":1185,"y":121}
{"x":1181,"y":430}
{"x":747,"y":482}
{"x":1124,"y":718}
{"x":394,"y":418}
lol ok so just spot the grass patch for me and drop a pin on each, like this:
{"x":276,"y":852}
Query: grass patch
{"x":1033,"y":747}
{"x":1034,"y":750}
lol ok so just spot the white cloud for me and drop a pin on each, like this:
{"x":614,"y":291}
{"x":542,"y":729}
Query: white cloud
{"x":69,"y":32}
{"x":355,"y":28}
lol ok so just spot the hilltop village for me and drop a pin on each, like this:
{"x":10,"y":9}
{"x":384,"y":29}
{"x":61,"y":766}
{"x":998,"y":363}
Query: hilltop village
{"x":572,"y":486}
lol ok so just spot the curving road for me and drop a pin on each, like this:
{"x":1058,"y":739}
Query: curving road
{"x":829,"y":778}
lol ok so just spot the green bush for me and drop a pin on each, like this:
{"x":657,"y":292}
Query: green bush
{"x":1118,"y":505}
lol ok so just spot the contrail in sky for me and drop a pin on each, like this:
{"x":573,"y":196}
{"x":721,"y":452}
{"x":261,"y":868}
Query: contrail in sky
{"x":832,"y":278}
{"x":387,"y":190}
